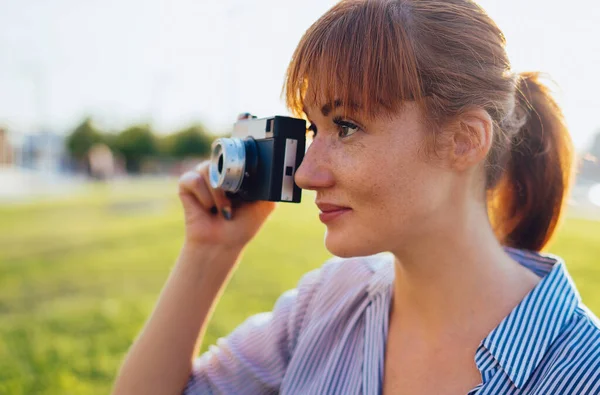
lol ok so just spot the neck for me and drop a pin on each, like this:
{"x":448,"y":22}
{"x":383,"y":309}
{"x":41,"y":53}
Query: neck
{"x":457,"y":282}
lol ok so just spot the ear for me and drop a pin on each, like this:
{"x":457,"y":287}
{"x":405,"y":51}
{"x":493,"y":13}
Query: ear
{"x":472,"y":139}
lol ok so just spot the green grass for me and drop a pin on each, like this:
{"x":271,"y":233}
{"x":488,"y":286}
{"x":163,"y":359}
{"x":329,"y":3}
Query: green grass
{"x":79,"y":276}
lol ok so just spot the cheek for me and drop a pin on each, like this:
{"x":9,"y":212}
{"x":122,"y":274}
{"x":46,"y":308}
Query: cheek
{"x":384,"y":181}
{"x":384,"y":176}
{"x":393,"y":193}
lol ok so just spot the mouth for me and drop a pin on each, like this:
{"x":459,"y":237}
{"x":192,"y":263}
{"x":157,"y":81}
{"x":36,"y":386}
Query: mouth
{"x":330,"y":212}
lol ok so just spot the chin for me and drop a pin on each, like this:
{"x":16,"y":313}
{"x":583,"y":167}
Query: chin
{"x":346,"y":246}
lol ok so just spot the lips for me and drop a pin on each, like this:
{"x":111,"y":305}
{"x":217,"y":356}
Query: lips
{"x":327,"y":207}
{"x":330,"y":212}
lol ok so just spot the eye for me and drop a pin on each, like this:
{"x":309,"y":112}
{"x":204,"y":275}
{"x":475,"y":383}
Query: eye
{"x":346,"y":129}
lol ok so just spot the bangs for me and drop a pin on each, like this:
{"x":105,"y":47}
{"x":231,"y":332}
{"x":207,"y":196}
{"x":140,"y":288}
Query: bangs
{"x":356,"y":55}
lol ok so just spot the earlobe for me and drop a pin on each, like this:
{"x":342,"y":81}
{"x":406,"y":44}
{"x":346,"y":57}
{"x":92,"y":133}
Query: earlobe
{"x":472,"y":139}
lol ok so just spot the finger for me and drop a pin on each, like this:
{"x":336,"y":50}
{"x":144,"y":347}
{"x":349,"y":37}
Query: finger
{"x":203,"y":194}
{"x":244,"y":115}
{"x":221,"y":202}
{"x":194,"y":191}
{"x":185,"y":194}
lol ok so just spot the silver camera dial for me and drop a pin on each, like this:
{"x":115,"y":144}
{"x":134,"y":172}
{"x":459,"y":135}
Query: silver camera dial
{"x":227,"y":164}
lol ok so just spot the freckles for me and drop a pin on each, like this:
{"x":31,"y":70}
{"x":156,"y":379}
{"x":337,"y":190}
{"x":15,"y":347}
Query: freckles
{"x":368,"y":176}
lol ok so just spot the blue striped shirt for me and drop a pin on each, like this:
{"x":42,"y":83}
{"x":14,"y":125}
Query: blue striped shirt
{"x":328,"y":336}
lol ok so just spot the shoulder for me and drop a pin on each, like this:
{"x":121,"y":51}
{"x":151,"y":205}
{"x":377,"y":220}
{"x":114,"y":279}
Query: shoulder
{"x":342,"y":274}
{"x":351,"y":271}
{"x":573,"y":365}
{"x":354,"y":275}
{"x":340,"y":285}
{"x":582,"y":337}
{"x":329,"y":292}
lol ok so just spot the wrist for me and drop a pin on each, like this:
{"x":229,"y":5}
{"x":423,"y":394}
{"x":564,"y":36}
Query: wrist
{"x":216,"y":258}
{"x":210,"y":250}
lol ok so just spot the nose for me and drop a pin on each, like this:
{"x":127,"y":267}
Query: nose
{"x":315,"y":170}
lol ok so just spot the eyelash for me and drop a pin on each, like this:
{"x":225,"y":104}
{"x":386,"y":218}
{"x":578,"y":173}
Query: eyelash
{"x":341,"y":124}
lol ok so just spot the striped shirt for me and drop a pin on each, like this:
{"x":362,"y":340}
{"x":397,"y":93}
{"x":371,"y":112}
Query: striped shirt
{"x":328,"y":336}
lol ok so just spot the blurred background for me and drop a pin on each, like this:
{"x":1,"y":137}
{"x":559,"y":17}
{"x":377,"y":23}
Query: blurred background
{"x":103,"y":104}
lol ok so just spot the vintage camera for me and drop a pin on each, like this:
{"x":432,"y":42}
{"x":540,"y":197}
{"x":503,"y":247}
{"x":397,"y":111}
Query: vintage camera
{"x":260,"y":159}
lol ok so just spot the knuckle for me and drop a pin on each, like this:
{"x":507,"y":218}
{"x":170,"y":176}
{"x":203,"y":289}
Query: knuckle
{"x":244,"y":115}
{"x":202,"y":167}
{"x":188,"y":178}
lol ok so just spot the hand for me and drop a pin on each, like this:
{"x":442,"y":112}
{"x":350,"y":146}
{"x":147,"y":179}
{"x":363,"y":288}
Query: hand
{"x":209,"y":216}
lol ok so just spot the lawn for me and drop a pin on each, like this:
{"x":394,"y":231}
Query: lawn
{"x":79,"y":276}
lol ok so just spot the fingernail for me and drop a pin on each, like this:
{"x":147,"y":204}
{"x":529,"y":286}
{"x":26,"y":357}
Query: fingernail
{"x":226,"y":211}
{"x":213,"y":210}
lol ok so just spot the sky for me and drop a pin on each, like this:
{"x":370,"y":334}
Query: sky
{"x":172,"y":62}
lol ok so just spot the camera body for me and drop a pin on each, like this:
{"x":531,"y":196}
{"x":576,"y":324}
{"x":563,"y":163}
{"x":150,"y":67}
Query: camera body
{"x":260,"y":159}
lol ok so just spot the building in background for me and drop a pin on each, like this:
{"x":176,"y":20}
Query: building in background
{"x":44,"y":151}
{"x":34,"y":165}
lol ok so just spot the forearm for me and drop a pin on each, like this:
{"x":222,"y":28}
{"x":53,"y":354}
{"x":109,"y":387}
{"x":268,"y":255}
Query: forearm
{"x":159,"y":361}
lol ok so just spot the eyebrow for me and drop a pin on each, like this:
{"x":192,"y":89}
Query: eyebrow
{"x":327,"y":108}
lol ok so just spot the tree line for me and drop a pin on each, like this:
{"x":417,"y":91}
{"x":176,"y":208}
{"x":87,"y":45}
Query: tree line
{"x":138,"y":143}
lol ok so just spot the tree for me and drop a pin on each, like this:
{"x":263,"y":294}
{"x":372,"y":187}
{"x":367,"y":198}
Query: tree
{"x":135,"y":144}
{"x":192,"y":141}
{"x":82,"y":139}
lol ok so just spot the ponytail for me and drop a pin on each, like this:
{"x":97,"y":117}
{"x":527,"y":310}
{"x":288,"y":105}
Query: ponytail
{"x":530,"y":196}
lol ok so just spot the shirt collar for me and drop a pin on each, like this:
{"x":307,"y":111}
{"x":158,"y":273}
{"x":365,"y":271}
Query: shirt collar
{"x":521,"y":340}
{"x":523,"y":337}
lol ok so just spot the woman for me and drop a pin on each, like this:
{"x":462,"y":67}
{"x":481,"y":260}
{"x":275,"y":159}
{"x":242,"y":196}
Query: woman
{"x":426,"y":145}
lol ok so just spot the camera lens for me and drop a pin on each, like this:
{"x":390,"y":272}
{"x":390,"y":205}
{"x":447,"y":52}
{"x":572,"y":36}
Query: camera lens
{"x":227,"y":164}
{"x":220,"y":163}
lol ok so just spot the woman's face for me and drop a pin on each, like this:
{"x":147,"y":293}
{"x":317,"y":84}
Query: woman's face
{"x":375,"y":185}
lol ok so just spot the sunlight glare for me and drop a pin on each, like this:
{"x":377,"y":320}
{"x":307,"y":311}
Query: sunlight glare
{"x":594,"y":194}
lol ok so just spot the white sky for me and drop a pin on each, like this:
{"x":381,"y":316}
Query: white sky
{"x":174,"y":61}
